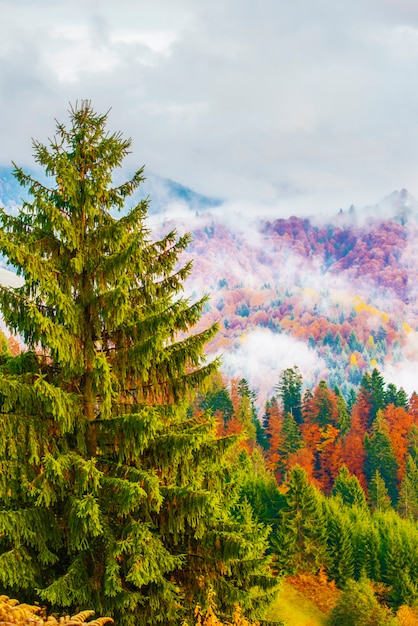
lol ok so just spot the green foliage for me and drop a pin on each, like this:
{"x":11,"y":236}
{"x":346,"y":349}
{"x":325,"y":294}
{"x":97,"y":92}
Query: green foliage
{"x":344,"y":420}
{"x":258,"y":486}
{"x":380,"y":455}
{"x":395,"y":396}
{"x":348,"y":488}
{"x":399,"y":557}
{"x":292,"y":438}
{"x":408,"y":492}
{"x":413,"y":442}
{"x":290,"y":392}
{"x":366,"y":543}
{"x":255,"y":427}
{"x":358,"y":606}
{"x":217,"y":398}
{"x":372,"y":388}
{"x":113,"y":495}
{"x":340,"y":557}
{"x":378,"y":494}
{"x":299,"y":539}
{"x":4,"y":348}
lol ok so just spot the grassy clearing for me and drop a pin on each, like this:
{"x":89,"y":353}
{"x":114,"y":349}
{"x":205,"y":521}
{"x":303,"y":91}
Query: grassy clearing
{"x":303,"y":600}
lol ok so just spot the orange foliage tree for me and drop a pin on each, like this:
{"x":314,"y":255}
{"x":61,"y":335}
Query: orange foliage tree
{"x":400,"y":423}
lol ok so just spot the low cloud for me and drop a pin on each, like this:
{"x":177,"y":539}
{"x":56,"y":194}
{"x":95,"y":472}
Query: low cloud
{"x":402,"y":374}
{"x":261,"y":357}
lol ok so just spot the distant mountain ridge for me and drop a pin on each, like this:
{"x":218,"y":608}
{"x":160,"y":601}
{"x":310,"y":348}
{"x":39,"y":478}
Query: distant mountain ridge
{"x":161,"y":191}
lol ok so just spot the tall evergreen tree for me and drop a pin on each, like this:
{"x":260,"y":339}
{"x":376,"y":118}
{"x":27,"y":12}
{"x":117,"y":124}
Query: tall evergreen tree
{"x":380,"y":455}
{"x":399,"y":557}
{"x":111,"y":496}
{"x":413,"y":442}
{"x":366,"y":544}
{"x":371,"y":395}
{"x":292,"y":438}
{"x":290,"y":392}
{"x":259,"y":487}
{"x":340,"y":557}
{"x":324,"y":405}
{"x":217,"y":399}
{"x":378,"y":493}
{"x":352,"y":398}
{"x":299,"y":541}
{"x":408,"y":492}
{"x":242,"y":422}
{"x":260,"y":433}
{"x":344,"y":419}
{"x":285,"y":441}
{"x":246,"y":413}
{"x":348,"y":488}
{"x":395,"y":396}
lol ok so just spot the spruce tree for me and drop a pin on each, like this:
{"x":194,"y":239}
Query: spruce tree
{"x":366,"y":544}
{"x":413,"y":441}
{"x":408,"y":492}
{"x":348,"y":488}
{"x":292,"y":437}
{"x":399,"y":557}
{"x":380,"y":455}
{"x":378,"y":493}
{"x":112,"y":497}
{"x":344,"y":418}
{"x":216,"y":399}
{"x":244,"y":391}
{"x":372,"y":392}
{"x":395,"y":396}
{"x":299,"y":541}
{"x":339,"y":537}
{"x":290,"y":392}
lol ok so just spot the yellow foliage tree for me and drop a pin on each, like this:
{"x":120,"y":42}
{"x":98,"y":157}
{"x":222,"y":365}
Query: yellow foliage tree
{"x":209,"y":617}
{"x":407,"y":616}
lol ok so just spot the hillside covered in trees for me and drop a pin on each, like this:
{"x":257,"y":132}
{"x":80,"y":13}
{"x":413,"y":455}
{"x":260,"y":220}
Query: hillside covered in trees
{"x":138,"y":479}
{"x":337,"y":296}
{"x":345,"y":496}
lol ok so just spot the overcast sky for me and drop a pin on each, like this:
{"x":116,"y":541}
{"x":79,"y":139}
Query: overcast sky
{"x":286,"y":104}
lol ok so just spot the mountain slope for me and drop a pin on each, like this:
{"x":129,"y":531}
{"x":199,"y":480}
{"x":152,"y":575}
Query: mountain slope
{"x":162,"y":192}
{"x":334,"y":296}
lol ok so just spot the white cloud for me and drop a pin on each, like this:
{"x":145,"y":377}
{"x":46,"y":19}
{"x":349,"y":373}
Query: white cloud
{"x":10,"y":279}
{"x":286,"y":106}
{"x":159,"y":41}
{"x":402,"y":374}
{"x":73,"y":53}
{"x":261,"y":357}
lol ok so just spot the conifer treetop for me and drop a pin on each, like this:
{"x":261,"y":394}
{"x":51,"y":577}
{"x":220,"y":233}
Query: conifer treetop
{"x":95,"y":284}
